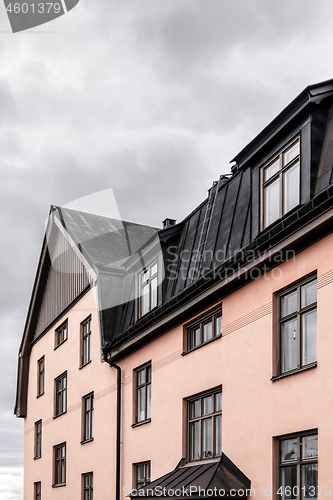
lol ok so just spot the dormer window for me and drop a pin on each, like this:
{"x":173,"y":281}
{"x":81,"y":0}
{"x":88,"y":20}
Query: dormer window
{"x":280,"y":180}
{"x":148,"y":288}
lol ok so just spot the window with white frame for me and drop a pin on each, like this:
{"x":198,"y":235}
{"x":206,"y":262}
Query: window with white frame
{"x":280,"y":181}
{"x":148,"y":289}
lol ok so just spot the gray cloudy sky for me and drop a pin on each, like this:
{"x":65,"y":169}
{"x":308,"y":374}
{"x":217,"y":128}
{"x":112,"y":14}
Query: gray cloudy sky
{"x":148,"y":97}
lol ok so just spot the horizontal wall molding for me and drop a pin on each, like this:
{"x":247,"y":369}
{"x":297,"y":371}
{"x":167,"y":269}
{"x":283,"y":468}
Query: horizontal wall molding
{"x":247,"y":319}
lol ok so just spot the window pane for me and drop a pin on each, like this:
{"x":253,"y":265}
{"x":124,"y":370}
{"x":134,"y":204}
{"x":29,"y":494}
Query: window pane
{"x":194,"y":441}
{"x":148,"y":373}
{"x":218,"y":435}
{"x":288,"y":482}
{"x":141,"y":376}
{"x":218,"y":325}
{"x":289,"y":303}
{"x":153,"y":293}
{"x":195,"y":409}
{"x":145,"y":299}
{"x":272,"y":169}
{"x":309,"y":337}
{"x":309,"y":481}
{"x":208,"y":405}
{"x":195,"y":337}
{"x":309,"y":293}
{"x":153,"y":269}
{"x":208,"y":331}
{"x":288,"y":449}
{"x":147,"y":473}
{"x":218,"y":401}
{"x":272,"y":202}
{"x":309,"y":446}
{"x":289,"y":345}
{"x":141,"y":404}
{"x":144,"y":277}
{"x":207,"y":448}
{"x":140,"y":471}
{"x":291,"y":188}
{"x":291,"y":154}
{"x":148,"y":401}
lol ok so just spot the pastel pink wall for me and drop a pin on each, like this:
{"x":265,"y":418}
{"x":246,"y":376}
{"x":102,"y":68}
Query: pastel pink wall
{"x":96,"y":377}
{"x":255,"y":409}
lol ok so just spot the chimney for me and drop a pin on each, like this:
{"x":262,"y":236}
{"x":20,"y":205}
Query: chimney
{"x":168,"y":223}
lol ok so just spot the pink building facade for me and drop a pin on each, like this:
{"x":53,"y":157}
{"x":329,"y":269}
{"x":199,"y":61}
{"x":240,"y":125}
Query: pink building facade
{"x":194,"y":360}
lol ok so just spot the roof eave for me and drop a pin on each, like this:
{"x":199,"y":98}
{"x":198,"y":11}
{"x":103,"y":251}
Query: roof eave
{"x":311,"y":94}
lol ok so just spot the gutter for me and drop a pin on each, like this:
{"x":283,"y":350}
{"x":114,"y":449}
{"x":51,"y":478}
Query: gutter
{"x":113,"y":365}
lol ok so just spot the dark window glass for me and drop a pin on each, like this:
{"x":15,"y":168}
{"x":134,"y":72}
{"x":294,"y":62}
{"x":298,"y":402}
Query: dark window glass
{"x":205,"y":426}
{"x":38,"y":439}
{"x":41,"y":376}
{"x":142,"y":474}
{"x":86,"y":341}
{"x":88,"y":486}
{"x":60,"y":464}
{"x":61,"y":394}
{"x":38,"y":491}
{"x":204,"y":330}
{"x":298,"y":467}
{"x":143,"y":393}
{"x":298,"y":326}
{"x":88,"y":425}
{"x":61,"y":334}
{"x":281,"y":184}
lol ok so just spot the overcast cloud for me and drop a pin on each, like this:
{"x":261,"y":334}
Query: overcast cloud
{"x":148,"y":97}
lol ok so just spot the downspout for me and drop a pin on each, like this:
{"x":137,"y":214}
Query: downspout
{"x":113,"y":365}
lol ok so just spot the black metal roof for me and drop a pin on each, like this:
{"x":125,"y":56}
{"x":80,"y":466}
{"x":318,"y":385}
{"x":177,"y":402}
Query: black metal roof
{"x":235,"y":226}
{"x":222,"y":475}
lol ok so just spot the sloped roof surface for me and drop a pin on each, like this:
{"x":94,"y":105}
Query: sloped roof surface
{"x":104,"y":241}
{"x":223,"y":474}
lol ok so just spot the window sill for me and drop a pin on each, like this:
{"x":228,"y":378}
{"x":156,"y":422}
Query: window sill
{"x":58,"y":485}
{"x":56,"y":347}
{"x":57,"y":416}
{"x":85,"y":364}
{"x":87,"y":441}
{"x":293,"y":372}
{"x":37,"y":458}
{"x":201,"y":345}
{"x":39,"y":395}
{"x":141,"y":423}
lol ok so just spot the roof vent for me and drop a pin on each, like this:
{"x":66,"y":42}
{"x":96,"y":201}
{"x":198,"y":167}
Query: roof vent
{"x":168,"y":222}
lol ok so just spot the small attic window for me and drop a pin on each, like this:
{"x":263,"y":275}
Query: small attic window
{"x":280,"y":181}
